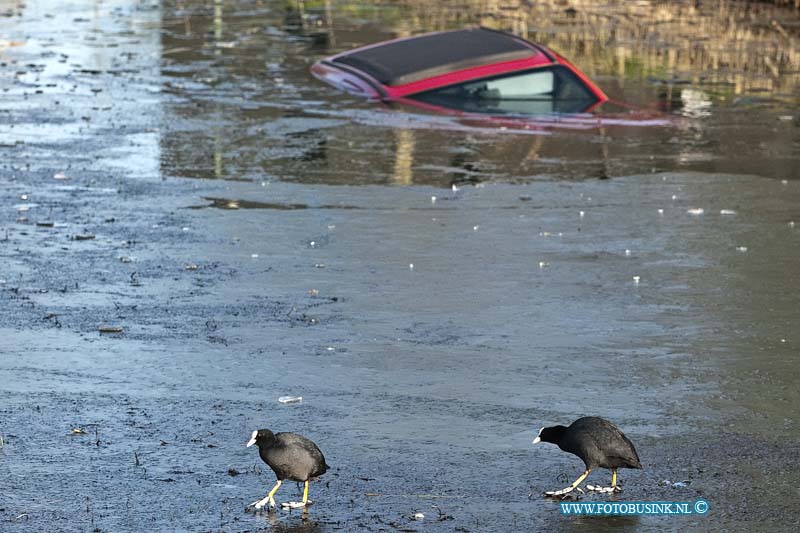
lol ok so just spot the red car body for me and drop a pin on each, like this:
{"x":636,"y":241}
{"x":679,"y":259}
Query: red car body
{"x":414,"y":69}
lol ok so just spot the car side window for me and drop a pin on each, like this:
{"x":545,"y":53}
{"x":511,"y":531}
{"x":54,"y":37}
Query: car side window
{"x":531,"y":85}
{"x":553,"y":89}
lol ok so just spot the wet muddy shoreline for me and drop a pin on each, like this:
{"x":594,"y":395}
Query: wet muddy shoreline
{"x":205,"y":352}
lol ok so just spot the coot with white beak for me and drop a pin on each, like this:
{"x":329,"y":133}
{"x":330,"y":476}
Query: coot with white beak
{"x":599,"y":443}
{"x":290,"y":456}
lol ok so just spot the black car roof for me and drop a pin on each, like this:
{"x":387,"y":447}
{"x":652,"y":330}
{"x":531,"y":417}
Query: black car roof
{"x":413,"y":59}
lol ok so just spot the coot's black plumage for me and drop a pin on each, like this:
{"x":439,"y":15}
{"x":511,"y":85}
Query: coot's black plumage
{"x":290,"y":456}
{"x":598,"y":442}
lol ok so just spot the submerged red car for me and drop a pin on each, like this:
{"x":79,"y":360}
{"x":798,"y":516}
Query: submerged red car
{"x":476,"y":70}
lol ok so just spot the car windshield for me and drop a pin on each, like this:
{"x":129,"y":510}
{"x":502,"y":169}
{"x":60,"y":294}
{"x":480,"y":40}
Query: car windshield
{"x":545,"y":90}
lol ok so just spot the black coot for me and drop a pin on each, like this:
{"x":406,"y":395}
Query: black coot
{"x":599,"y":443}
{"x":290,"y":456}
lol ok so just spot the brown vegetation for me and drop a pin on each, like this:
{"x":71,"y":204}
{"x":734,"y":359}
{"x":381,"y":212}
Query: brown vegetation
{"x":744,"y":46}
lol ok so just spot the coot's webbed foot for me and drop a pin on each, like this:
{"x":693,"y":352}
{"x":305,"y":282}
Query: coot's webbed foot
{"x":598,"y":488}
{"x":613,"y":488}
{"x":562,"y":492}
{"x":296,"y":505}
{"x":258,"y":504}
{"x":299,"y":505}
{"x":567,"y":490}
{"x":268,"y":499}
